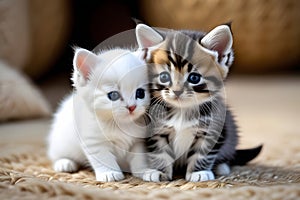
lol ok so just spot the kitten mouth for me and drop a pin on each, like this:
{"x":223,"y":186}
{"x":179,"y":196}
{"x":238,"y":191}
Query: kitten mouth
{"x":131,"y":114}
{"x":176,"y":100}
{"x":179,"y":102}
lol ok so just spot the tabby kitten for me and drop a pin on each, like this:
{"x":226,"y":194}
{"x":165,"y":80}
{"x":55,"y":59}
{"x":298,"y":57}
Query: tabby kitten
{"x":192,"y":130}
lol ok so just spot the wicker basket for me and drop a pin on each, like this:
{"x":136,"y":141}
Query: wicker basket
{"x":266,"y":33}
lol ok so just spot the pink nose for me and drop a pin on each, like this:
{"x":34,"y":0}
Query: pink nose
{"x":131,"y":108}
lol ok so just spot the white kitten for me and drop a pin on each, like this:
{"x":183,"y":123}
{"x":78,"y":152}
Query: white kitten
{"x":101,"y":123}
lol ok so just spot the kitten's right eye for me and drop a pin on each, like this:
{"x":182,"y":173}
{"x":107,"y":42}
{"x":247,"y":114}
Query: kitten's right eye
{"x":164,"y":77}
{"x":140,"y":93}
{"x":114,"y":95}
{"x":194,"y":78}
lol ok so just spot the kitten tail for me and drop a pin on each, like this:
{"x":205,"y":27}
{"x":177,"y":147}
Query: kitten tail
{"x":243,"y":156}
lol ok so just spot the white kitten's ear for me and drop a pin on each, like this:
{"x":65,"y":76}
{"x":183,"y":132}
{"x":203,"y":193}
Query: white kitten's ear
{"x":219,"y":40}
{"x":147,"y":36}
{"x":84,"y":61}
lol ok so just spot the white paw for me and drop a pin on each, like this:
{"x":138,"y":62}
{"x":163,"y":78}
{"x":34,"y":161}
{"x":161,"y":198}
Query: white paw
{"x":223,"y":169}
{"x":154,"y":175}
{"x":199,"y":176}
{"x":65,"y":165}
{"x":109,"y":176}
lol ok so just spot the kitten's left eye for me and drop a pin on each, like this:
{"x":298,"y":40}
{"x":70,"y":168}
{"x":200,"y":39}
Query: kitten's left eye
{"x":114,"y":95}
{"x":194,"y":78}
{"x":140,"y":93}
{"x":164,"y":77}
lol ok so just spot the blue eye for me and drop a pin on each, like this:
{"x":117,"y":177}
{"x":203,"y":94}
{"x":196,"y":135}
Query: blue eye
{"x":164,"y":77}
{"x":140,"y":93}
{"x":114,"y":95}
{"x":194,"y":78}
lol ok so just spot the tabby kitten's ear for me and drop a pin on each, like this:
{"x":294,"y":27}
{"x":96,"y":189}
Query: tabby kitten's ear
{"x":147,"y":36}
{"x":84,"y":61}
{"x":219,"y":39}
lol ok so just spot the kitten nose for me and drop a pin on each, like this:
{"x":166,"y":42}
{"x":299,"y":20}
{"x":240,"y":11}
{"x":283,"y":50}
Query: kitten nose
{"x":178,"y":93}
{"x":131,"y":108}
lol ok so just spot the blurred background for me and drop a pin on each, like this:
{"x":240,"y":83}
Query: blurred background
{"x":263,"y":89}
{"x":37,"y":36}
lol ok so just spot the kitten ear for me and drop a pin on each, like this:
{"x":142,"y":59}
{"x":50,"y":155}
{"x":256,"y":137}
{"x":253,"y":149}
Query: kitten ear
{"x":147,"y":36}
{"x":219,"y":40}
{"x":137,"y":21}
{"x":84,"y":61}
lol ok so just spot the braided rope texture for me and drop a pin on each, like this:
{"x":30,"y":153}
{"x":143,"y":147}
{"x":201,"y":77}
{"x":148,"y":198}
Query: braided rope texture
{"x":25,"y":173}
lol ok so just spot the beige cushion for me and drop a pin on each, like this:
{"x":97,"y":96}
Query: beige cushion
{"x":18,"y":97}
{"x":33,"y":33}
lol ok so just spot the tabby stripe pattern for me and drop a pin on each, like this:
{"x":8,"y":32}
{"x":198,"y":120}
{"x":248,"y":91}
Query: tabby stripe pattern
{"x":189,"y":136}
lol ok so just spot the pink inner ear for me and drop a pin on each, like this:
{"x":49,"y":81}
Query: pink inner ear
{"x":83,"y":65}
{"x":219,"y":39}
{"x":147,"y":37}
{"x":147,"y":43}
{"x":220,"y":46}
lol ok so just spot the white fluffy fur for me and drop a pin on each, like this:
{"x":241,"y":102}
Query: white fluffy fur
{"x":90,"y":128}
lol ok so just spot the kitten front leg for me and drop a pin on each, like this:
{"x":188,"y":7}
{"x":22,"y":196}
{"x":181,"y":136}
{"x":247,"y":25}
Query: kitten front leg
{"x":199,"y":168}
{"x":163,"y":163}
{"x":104,"y":163}
{"x":139,"y":166}
{"x":202,"y":156}
{"x":160,"y":156}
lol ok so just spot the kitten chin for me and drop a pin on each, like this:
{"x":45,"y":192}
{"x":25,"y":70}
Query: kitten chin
{"x":127,"y":119}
